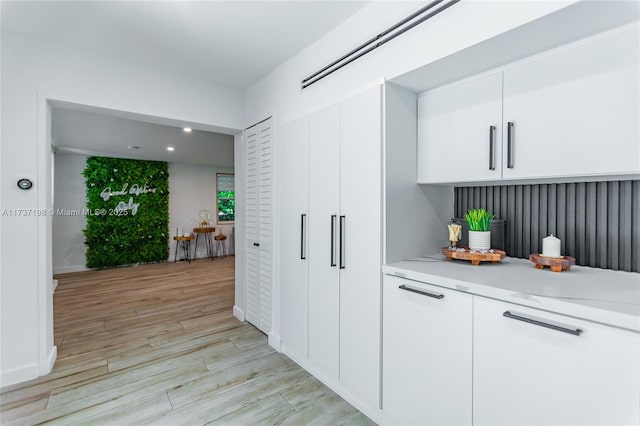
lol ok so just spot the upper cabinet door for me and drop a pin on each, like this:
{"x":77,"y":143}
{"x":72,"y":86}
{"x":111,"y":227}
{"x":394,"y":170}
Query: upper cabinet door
{"x":459,"y":132}
{"x":575,"y":112}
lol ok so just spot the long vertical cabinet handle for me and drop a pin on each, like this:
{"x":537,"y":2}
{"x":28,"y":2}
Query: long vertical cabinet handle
{"x":342,"y":242}
{"x":303,"y":236}
{"x":510,"y":125}
{"x":492,"y":143}
{"x":333,"y":240}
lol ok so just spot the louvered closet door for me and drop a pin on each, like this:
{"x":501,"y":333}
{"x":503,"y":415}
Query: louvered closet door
{"x":265,"y":220}
{"x":252,"y":251}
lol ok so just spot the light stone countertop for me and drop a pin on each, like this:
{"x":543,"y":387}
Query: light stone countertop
{"x":599,"y":295}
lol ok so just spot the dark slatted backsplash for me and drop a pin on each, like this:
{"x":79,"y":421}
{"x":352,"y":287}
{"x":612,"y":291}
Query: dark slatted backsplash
{"x":597,"y":222}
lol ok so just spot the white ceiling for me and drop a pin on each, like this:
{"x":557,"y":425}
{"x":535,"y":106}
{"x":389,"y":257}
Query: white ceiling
{"x":234,"y":43}
{"x":103,"y":134}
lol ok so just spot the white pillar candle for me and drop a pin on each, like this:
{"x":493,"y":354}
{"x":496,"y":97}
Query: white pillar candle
{"x":551,"y":246}
{"x":179,"y":231}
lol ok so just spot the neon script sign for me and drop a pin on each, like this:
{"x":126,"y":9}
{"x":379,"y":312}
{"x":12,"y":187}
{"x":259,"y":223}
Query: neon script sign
{"x":123,"y":206}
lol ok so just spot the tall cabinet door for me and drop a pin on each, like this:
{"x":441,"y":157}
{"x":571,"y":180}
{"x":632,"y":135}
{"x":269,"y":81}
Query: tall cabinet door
{"x":324,"y":211}
{"x":259,"y":224}
{"x":575,"y":111}
{"x":294,"y":220}
{"x":252,"y":229}
{"x":360,"y":249}
{"x":459,"y":132}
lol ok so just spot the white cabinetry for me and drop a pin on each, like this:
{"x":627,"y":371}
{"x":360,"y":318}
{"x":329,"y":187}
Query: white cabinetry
{"x":337,"y":313}
{"x":324,"y":209}
{"x":576,"y":111}
{"x":451,"y":357}
{"x":459,"y":129}
{"x":294,"y":157}
{"x":570,"y":112}
{"x":360,"y":253}
{"x":259,"y":224}
{"x":527,"y":373}
{"x":427,"y":354}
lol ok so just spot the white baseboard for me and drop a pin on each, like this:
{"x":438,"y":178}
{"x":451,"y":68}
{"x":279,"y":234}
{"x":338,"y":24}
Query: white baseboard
{"x":51,"y":359}
{"x":67,"y":269}
{"x":28,"y":372}
{"x":374,"y":413}
{"x":18,"y":375}
{"x":238,"y":313}
{"x":55,"y":284}
{"x":274,"y":342}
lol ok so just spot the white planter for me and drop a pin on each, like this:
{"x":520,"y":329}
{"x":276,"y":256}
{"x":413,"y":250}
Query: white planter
{"x":479,"y":240}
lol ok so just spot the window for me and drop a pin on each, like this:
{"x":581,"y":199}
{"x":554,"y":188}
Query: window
{"x":226,"y":197}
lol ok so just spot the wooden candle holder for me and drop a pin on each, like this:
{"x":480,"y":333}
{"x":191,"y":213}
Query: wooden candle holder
{"x":557,"y":264}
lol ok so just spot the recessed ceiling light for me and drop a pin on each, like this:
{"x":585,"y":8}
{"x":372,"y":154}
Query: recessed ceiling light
{"x":187,"y":129}
{"x":170,"y":148}
{"x":133,"y":147}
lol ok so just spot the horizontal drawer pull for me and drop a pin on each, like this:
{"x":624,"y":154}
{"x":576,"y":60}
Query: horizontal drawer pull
{"x":424,"y":293}
{"x":574,"y":331}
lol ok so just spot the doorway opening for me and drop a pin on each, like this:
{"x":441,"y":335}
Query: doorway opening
{"x":187,"y":287}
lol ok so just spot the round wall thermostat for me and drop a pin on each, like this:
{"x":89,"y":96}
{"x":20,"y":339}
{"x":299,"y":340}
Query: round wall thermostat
{"x":25,"y":184}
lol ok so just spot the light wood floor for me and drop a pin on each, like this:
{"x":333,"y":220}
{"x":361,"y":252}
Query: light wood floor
{"x":158,"y":344}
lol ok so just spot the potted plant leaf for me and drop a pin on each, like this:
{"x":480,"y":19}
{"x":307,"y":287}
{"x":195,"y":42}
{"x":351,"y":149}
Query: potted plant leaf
{"x":479,"y":221}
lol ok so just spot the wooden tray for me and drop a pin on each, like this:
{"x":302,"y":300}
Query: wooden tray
{"x":557,"y":264}
{"x":475,"y":257}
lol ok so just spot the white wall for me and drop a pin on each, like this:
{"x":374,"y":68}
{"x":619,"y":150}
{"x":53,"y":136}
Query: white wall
{"x":69,"y":249}
{"x":410,"y":209}
{"x":238,"y":306}
{"x":191,"y":189}
{"x":33,"y":71}
{"x":464,"y":24}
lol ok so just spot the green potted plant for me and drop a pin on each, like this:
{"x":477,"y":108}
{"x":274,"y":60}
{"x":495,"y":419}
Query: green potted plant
{"x":479,"y":221}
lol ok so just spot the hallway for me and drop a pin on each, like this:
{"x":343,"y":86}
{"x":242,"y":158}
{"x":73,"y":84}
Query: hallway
{"x":158,"y":344}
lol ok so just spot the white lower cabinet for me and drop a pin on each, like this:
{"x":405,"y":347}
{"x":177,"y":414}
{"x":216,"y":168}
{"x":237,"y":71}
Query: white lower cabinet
{"x":427,"y":356}
{"x":531,"y":367}
{"x":450,"y":357}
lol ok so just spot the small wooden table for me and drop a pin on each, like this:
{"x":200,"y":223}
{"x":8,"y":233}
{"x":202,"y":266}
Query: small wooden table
{"x":185,"y":242}
{"x":208,"y":241}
